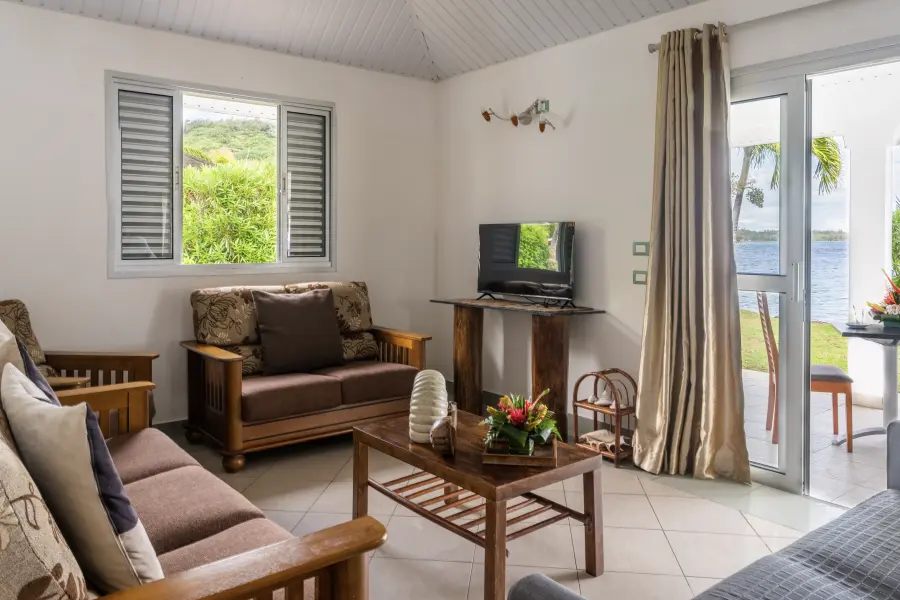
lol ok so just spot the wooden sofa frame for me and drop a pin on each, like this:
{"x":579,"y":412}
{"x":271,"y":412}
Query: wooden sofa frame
{"x":214,"y":401}
{"x":334,"y":558}
{"x":104,"y":368}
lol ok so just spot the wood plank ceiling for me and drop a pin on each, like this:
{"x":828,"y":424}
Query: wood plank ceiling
{"x":428,"y":39}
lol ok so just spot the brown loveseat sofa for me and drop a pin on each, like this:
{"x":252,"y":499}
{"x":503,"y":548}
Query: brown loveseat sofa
{"x":213,"y":543}
{"x":231,"y":403}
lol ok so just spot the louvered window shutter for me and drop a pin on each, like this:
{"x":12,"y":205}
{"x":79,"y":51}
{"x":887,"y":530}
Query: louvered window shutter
{"x":306,"y":185}
{"x":146,"y":130}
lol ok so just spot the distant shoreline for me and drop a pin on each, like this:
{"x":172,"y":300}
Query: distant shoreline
{"x":771,"y":235}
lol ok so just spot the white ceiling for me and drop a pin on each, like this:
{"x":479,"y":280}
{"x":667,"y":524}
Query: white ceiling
{"x":429,"y":39}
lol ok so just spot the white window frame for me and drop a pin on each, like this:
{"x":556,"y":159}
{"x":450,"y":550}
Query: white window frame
{"x":126,"y":269}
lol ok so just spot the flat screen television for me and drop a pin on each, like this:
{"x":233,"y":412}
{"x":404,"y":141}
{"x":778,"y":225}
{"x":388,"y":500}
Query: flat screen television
{"x":527,"y":259}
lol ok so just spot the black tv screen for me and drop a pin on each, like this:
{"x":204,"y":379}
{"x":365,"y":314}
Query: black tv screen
{"x":527,"y":259}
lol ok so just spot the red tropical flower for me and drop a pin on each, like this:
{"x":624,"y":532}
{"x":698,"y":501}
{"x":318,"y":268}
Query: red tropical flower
{"x":517,"y":416}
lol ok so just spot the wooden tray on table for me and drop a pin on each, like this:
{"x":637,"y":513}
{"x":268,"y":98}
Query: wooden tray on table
{"x":499,"y":453}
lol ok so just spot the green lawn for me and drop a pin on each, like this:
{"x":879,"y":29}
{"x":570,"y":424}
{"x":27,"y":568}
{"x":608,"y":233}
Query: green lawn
{"x":827,"y":345}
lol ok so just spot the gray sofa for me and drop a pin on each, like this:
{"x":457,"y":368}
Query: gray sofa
{"x":855,"y":556}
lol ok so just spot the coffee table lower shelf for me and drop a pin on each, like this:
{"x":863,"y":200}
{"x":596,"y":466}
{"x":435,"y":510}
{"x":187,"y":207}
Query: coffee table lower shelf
{"x":415,"y":492}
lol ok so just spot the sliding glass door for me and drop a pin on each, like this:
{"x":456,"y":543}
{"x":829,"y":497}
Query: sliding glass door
{"x":770,"y":216}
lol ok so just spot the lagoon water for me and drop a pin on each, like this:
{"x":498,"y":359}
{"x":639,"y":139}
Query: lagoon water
{"x":830,"y":277}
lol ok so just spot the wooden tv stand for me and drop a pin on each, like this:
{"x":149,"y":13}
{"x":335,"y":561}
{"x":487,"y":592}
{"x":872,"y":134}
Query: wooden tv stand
{"x":549,"y":351}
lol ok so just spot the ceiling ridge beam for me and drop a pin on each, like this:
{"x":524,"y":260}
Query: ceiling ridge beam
{"x":437,"y":72}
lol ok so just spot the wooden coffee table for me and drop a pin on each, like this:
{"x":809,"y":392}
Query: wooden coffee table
{"x":488,"y":505}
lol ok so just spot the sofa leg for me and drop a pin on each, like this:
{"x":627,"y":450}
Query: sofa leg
{"x":233,"y":464}
{"x":193,"y":436}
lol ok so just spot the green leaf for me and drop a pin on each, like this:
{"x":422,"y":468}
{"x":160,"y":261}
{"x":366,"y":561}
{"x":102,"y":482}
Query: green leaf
{"x":546,"y":424}
{"x":516,"y":437}
{"x":829,"y":164}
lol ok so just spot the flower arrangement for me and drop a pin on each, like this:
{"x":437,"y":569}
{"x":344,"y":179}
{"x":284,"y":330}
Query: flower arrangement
{"x":888,"y":310}
{"x":520,"y":422}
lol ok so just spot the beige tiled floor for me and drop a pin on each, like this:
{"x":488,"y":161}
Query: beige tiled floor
{"x":665,"y":537}
{"x":835,"y":475}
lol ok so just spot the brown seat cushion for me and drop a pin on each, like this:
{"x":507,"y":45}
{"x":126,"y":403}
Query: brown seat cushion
{"x":299,"y":332}
{"x":244,"y":537}
{"x":145,"y":454}
{"x":186,"y":505}
{"x":277,"y":396}
{"x":368,"y":380}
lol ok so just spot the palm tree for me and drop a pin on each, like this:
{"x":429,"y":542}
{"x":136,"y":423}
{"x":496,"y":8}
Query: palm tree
{"x":829,"y":169}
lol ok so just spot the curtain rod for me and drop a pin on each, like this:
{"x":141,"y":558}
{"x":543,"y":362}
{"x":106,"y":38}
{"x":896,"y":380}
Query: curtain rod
{"x":697,"y":36}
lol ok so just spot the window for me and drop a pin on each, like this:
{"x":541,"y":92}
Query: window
{"x":203,"y":181}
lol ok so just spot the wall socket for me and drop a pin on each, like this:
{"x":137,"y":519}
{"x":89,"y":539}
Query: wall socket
{"x":639,"y":277}
{"x":640,"y":248}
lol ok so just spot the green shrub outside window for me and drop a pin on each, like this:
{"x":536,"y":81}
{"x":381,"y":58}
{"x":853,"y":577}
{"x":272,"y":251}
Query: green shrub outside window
{"x":230,"y":193}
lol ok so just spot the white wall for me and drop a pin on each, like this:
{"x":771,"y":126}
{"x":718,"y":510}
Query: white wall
{"x":410,"y":192}
{"x":597,"y":168}
{"x":53,"y":207}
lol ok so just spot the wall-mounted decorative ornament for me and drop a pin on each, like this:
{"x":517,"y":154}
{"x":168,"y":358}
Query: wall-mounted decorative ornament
{"x":428,"y":404}
{"x":538,"y":112}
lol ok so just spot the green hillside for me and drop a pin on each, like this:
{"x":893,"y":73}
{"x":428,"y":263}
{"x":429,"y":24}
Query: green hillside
{"x":246,"y":139}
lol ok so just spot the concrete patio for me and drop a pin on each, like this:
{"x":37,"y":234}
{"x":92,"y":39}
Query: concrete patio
{"x":835,"y":475}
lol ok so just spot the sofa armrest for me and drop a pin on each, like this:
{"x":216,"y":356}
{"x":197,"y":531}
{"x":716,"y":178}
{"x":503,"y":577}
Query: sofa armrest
{"x":335,"y":556}
{"x":401,"y":347}
{"x":131,"y":401}
{"x":138,"y":365}
{"x":397,"y":333}
{"x":213,"y":352}
{"x":540,"y":587}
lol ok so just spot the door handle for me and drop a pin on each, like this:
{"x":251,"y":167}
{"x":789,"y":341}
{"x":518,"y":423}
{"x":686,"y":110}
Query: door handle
{"x":798,"y":282}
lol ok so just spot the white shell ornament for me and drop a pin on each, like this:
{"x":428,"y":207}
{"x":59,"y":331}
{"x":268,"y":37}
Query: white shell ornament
{"x":428,"y":404}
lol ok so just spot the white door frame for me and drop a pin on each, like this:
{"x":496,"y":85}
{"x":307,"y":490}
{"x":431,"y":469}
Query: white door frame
{"x":792,"y":471}
{"x":765,"y":80}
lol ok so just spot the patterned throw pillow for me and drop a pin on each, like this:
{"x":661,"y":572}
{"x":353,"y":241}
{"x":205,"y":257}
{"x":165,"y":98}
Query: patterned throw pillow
{"x":35,"y":561}
{"x":64,"y":451}
{"x":14,"y":315}
{"x":359,"y":346}
{"x":226,"y":316}
{"x":351,"y":302}
{"x":252,"y":354}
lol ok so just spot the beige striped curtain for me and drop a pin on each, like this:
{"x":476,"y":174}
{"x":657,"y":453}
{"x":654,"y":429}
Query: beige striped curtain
{"x":691,"y":402}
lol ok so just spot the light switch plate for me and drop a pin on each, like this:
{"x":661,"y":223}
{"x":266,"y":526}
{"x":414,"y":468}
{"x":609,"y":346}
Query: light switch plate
{"x":639,"y":277}
{"x":640,"y":248}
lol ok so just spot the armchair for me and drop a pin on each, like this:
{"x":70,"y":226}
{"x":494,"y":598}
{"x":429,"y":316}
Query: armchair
{"x":96,"y":368}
